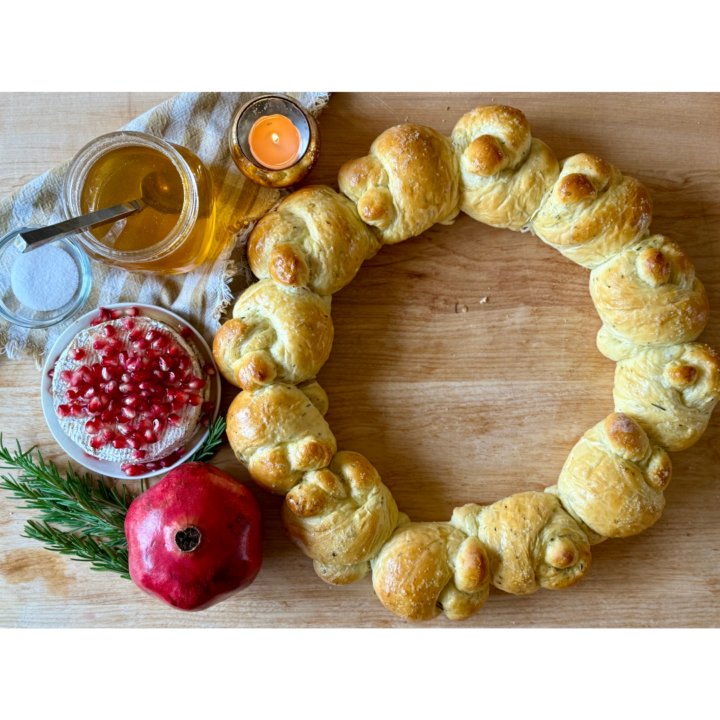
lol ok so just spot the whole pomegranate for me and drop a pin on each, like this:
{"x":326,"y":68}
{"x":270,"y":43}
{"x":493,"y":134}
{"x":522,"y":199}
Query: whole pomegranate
{"x":194,"y":538}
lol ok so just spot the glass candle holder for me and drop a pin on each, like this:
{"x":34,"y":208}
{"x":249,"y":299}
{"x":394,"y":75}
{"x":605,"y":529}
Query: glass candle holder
{"x":264,"y":107}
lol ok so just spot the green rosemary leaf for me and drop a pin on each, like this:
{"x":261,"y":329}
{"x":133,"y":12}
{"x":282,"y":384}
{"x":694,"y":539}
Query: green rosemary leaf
{"x":212,"y":442}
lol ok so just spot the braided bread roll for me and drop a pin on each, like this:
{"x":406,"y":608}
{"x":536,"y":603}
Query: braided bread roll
{"x":430,"y":568}
{"x":613,"y":480}
{"x":408,"y":182}
{"x":648,"y":296}
{"x":277,"y":333}
{"x":593,"y":211}
{"x":340,"y":517}
{"x":671,"y":392}
{"x":279,"y":433}
{"x":531,"y":541}
{"x":504,"y":172}
{"x":315,"y":239}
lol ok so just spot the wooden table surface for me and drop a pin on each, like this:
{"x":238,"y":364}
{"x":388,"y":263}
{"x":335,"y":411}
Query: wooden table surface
{"x":454,"y":400}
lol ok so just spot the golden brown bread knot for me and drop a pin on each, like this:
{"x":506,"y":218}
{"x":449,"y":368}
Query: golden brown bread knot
{"x":277,"y":333}
{"x":279,"y":433}
{"x":648,"y":296}
{"x":671,"y":392}
{"x":504,"y":172}
{"x":340,"y":517}
{"x":315,"y":239}
{"x":593,"y":211}
{"x":407,"y":183}
{"x":430,"y":568}
{"x":531,"y":541}
{"x":613,"y":479}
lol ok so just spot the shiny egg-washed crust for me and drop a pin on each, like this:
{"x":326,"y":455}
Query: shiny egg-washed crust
{"x":593,"y":211}
{"x":315,"y":238}
{"x":277,"y":333}
{"x":430,"y":568}
{"x":671,"y":392}
{"x":504,"y":172}
{"x":340,"y":517}
{"x":648,"y":295}
{"x":531,"y":541}
{"x":408,"y":182}
{"x":611,"y":485}
{"x":614,"y":478}
{"x":279,"y":433}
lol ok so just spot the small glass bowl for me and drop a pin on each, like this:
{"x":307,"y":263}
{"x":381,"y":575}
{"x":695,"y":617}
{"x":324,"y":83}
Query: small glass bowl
{"x":18,"y":314}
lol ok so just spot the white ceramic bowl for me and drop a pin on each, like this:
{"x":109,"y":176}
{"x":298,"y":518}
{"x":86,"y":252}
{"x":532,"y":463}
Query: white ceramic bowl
{"x":104,"y":467}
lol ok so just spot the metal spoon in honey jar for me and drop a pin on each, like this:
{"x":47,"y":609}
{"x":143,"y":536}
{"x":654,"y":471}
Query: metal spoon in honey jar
{"x":157,"y":193}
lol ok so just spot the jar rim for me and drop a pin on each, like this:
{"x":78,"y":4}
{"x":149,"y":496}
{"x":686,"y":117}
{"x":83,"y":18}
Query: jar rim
{"x":86,"y":158}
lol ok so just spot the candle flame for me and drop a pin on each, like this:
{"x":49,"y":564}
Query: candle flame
{"x":275,"y":138}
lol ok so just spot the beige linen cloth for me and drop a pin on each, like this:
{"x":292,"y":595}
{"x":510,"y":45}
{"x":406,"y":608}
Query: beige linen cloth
{"x":199,"y":122}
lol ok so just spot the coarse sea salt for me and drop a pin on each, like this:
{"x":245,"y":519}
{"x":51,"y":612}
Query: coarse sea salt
{"x":44,"y":279}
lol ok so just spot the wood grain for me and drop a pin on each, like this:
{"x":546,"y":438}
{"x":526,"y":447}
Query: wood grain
{"x":452,"y":398}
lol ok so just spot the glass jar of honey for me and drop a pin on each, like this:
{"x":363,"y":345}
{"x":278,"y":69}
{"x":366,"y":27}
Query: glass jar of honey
{"x":173,"y":232}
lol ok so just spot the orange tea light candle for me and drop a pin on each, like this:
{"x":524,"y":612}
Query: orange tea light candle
{"x":275,"y":142}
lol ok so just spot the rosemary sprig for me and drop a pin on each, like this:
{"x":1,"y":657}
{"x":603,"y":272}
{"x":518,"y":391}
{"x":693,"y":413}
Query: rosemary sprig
{"x":90,"y":510}
{"x":212,"y":442}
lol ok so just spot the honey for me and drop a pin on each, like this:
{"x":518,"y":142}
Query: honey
{"x":174,"y":231}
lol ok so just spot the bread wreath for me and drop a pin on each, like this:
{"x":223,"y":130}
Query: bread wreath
{"x":337,"y":509}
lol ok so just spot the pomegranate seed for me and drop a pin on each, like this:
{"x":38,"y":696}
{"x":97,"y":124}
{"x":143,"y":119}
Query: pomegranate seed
{"x":134,"y":442}
{"x":179,"y":453}
{"x":91,"y":427}
{"x":99,"y":344}
{"x":185,"y":331}
{"x":208,"y":407}
{"x":130,"y":400}
{"x":119,"y":443}
{"x":72,"y":393}
{"x":76,"y":379}
{"x":109,"y":331}
{"x":117,"y":313}
{"x":181,"y":396}
{"x":128,"y":323}
{"x":104,"y":399}
{"x":107,"y":416}
{"x":135,"y":335}
{"x":159,"y":343}
{"x":195,"y":400}
{"x":111,"y":388}
{"x":131,"y":470}
{"x":90,"y":392}
{"x":152,"y":466}
{"x":158,"y":425}
{"x":77,"y":353}
{"x":150,"y":436}
{"x":151,"y":335}
{"x":196,"y":384}
{"x":174,"y":420}
{"x":95,"y":321}
{"x":177,"y":405}
{"x":120,"y":419}
{"x":138,"y":454}
{"x":174,"y":351}
{"x":105,"y":314}
{"x":144,"y":424}
{"x":51,"y":373}
{"x":128,"y":412}
{"x":133,"y":364}
{"x":66,"y":376}
{"x":125,"y":429}
{"x":126,"y":387}
{"x":95,"y":406}
{"x":76,"y":410}
{"x":109,"y":435}
{"x":63,"y":411}
{"x":205,"y":420}
{"x":106,"y":374}
{"x":132,"y":311}
{"x":209,"y":369}
{"x":156,"y":410}
{"x":141,"y":344}
{"x":140,"y":375}
{"x":97,"y":442}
